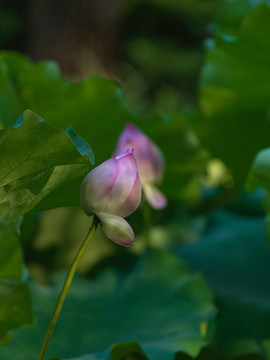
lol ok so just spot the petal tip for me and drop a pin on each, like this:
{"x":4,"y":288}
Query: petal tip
{"x":155,"y":197}
{"x":126,"y":153}
{"x":130,"y":126}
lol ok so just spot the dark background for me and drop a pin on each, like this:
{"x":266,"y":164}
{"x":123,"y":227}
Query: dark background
{"x":154,"y":48}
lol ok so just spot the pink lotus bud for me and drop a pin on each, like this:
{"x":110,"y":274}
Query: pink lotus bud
{"x":150,"y":162}
{"x":112,"y":191}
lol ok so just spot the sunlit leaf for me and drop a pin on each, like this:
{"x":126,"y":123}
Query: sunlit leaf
{"x":40,"y":167}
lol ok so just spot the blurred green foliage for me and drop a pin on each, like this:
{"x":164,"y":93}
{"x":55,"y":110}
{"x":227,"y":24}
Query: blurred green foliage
{"x":149,"y":306}
{"x":231,"y":14}
{"x":163,"y":52}
{"x":15,"y":298}
{"x":234,"y":257}
{"x":234,"y":93}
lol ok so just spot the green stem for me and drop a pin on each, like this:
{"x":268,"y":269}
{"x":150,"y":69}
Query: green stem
{"x":65,"y":288}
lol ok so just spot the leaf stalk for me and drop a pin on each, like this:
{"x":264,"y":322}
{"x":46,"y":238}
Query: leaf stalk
{"x":65,"y":288}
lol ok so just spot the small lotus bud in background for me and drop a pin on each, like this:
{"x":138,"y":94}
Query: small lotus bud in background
{"x":150,"y":162}
{"x":112,"y":191}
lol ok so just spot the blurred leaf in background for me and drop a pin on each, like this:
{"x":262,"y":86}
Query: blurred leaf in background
{"x":163,"y":52}
{"x":210,"y":354}
{"x":95,"y":107}
{"x":158,"y":306}
{"x":234,"y":257}
{"x":231,"y":14}
{"x":15,"y":298}
{"x":234,"y":92}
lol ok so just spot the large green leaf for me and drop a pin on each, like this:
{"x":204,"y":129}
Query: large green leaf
{"x":156,"y":310}
{"x":234,"y":257}
{"x":15,"y":299}
{"x":235,"y":92}
{"x":40,"y":166}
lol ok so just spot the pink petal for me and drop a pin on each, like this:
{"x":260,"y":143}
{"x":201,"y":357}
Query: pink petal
{"x":123,"y":186}
{"x":117,"y":229}
{"x":133,"y":201}
{"x":149,"y":158}
{"x":127,"y":152}
{"x":155,"y":197}
{"x":97,"y":184}
{"x":128,"y":138}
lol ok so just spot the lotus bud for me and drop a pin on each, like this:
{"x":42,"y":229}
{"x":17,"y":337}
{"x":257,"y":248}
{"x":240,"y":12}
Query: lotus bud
{"x":150,"y":162}
{"x":112,"y":191}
